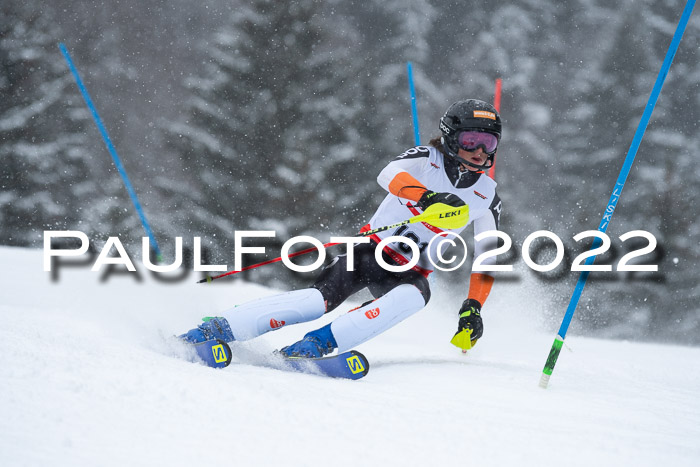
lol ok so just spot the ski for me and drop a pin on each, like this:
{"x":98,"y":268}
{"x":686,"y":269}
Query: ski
{"x":214,"y":353}
{"x":352,"y":364}
{"x":348,"y":365}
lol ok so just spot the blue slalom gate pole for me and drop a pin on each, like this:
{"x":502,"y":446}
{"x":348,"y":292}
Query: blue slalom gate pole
{"x":111,"y":149}
{"x":617,"y":191}
{"x":414,"y":110}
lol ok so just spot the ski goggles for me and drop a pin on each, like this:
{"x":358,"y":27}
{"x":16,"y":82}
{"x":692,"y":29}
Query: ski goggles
{"x":471,"y":140}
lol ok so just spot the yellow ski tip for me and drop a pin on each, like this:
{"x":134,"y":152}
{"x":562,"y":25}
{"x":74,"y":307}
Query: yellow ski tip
{"x":463,"y":339}
{"x":444,"y":216}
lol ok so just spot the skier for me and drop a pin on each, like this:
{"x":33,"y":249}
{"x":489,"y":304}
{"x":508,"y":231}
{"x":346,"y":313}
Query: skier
{"x":451,"y":171}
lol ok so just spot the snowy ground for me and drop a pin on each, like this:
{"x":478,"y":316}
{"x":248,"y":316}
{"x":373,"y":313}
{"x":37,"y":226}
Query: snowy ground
{"x":87,"y":378}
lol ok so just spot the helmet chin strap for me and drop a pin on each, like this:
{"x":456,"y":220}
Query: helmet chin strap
{"x":473,"y":165}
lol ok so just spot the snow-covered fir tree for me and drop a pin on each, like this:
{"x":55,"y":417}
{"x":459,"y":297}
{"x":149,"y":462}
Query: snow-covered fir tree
{"x":44,"y":175}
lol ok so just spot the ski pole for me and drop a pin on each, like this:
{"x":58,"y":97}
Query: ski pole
{"x":111,"y":149}
{"x":497,"y":106}
{"x":414,"y":110}
{"x":617,"y":191}
{"x":439,"y":215}
{"x":269,"y":261}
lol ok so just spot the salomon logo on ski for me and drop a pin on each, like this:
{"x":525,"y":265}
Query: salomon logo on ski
{"x":355,"y":364}
{"x":214,"y":353}
{"x":219,"y":353}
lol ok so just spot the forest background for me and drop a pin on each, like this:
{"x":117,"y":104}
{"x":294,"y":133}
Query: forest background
{"x":260,"y":115}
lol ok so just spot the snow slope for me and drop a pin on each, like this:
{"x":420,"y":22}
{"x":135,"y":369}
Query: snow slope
{"x":87,"y":377}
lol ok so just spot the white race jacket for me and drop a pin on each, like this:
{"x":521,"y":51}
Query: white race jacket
{"x":439,"y":174}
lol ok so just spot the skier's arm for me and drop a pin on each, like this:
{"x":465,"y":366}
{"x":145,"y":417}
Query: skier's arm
{"x":396,"y":179}
{"x":401,"y":183}
{"x":479,"y":283}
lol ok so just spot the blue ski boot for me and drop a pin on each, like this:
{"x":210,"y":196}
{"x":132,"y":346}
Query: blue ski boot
{"x":211,"y":328}
{"x":315,"y":344}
